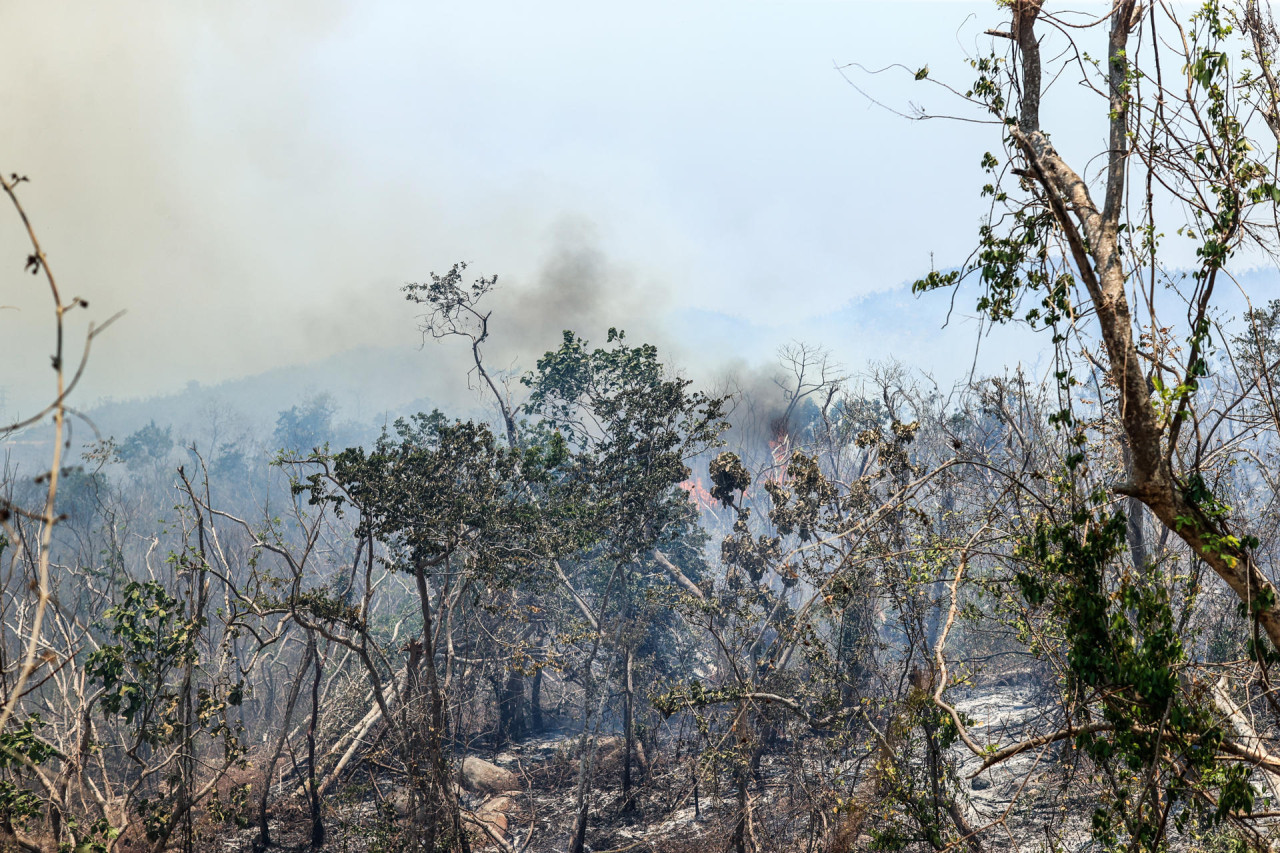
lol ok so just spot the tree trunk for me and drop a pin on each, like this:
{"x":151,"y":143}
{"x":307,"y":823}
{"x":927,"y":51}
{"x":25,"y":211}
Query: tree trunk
{"x":580,"y":830}
{"x":535,"y":703}
{"x":511,"y":711}
{"x":742,"y":776}
{"x":437,"y":817}
{"x":628,"y":729}
{"x":313,"y":791}
{"x":1092,"y":234}
{"x":264,"y":835}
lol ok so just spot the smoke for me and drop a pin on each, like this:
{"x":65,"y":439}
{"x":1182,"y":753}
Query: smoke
{"x":182,"y":169}
{"x":255,"y":182}
{"x":758,"y":408}
{"x":139,"y":200}
{"x":579,"y":288}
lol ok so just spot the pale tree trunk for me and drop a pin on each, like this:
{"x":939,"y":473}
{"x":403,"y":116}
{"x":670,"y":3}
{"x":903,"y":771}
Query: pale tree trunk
{"x":264,"y":835}
{"x":1093,"y":235}
{"x":628,"y":728}
{"x":438,"y":818}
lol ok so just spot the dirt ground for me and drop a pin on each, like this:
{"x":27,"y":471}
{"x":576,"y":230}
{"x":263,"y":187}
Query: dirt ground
{"x":1028,"y":802}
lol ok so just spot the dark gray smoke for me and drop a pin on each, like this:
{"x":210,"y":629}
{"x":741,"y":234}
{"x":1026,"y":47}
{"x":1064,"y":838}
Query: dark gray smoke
{"x":182,"y":168}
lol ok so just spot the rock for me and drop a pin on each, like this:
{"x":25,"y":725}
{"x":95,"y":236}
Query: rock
{"x":492,"y":814}
{"x":399,"y":800}
{"x":496,"y":821}
{"x":980,"y":783}
{"x":497,"y":805}
{"x":481,"y":777}
{"x":612,"y":748}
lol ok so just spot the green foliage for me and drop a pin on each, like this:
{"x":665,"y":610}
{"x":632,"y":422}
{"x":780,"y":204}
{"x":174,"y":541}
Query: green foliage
{"x":235,"y":810}
{"x":631,"y":427}
{"x":728,"y":476}
{"x":21,"y":748}
{"x":448,"y":296}
{"x":1011,"y":264}
{"x":300,"y":429}
{"x":149,"y":445}
{"x":436,"y":486}
{"x":755,"y":556}
{"x":987,"y":88}
{"x":154,"y":638}
{"x":1125,"y":656}
{"x":79,"y":492}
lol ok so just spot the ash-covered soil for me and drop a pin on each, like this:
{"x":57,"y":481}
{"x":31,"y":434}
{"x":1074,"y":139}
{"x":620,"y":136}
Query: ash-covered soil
{"x":1033,"y":800}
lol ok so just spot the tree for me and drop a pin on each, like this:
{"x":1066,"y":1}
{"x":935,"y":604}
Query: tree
{"x":149,"y":446}
{"x":632,"y":427}
{"x":300,"y":429}
{"x":824,"y":611}
{"x":1189,"y":106}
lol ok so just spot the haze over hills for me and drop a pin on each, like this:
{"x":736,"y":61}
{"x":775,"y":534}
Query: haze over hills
{"x":368,"y":387}
{"x":365,"y":384}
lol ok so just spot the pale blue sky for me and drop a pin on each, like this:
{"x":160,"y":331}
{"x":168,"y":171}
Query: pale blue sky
{"x":252,"y":181}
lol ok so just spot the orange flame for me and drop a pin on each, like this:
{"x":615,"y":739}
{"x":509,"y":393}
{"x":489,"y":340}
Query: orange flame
{"x":780,"y":452}
{"x":699,"y":495}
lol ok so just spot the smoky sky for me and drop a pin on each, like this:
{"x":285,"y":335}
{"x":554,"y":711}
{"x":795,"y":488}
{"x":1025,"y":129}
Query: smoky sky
{"x":182,"y":169}
{"x":254,"y":182}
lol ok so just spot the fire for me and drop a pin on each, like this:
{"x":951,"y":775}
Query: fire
{"x":699,"y":495}
{"x":779,"y":460}
{"x":780,"y":453}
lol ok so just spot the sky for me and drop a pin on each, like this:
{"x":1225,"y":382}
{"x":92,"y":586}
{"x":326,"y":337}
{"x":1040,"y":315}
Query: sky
{"x":253,"y":182}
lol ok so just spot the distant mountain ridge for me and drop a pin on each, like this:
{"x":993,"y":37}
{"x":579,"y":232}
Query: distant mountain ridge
{"x":938,"y":333}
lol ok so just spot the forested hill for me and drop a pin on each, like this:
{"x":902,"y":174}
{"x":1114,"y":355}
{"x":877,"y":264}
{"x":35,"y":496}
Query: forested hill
{"x":359,"y":392}
{"x":363,"y":385}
